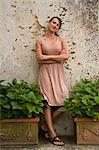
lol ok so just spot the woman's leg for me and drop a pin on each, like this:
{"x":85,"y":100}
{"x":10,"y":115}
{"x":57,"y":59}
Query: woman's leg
{"x":56,"y":114}
{"x":48,"y":119}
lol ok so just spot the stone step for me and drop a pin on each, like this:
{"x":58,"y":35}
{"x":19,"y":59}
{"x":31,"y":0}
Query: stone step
{"x":44,"y":144}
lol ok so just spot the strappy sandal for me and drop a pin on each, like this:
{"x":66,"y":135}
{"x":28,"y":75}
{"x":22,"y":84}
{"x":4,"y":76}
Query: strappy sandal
{"x":56,"y":141}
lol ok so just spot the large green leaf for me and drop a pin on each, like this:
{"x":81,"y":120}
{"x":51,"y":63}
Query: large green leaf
{"x":30,"y":107}
{"x":15,"y":105}
{"x":39,"y":110}
{"x":7,"y":106}
{"x":88,"y":89}
{"x":34,"y":87}
{"x":96,"y":115}
{"x":30,"y":115}
{"x":41,"y":105}
{"x":40,"y":97}
{"x":91,"y":103}
{"x":84,"y":101}
{"x":31,"y":95}
{"x":23,"y":97}
{"x":11,"y":95}
{"x":77,"y":111}
{"x":96,"y":98}
{"x":76,"y":101}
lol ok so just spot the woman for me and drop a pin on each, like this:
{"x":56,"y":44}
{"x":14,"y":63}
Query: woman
{"x":51,"y":52}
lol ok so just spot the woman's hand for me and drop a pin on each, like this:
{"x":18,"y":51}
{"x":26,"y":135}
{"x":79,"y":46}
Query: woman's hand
{"x":63,"y":51}
{"x":39,"y":58}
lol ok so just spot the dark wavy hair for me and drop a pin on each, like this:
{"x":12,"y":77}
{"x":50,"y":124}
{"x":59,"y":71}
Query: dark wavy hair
{"x":60,"y":21}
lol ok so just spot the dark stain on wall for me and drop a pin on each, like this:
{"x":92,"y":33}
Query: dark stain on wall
{"x":14,"y":6}
{"x":72,"y":52}
{"x":51,"y":5}
{"x":21,"y":27}
{"x":30,"y":27}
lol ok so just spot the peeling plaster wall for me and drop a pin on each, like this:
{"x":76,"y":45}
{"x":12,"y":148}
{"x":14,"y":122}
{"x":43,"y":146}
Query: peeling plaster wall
{"x":21,"y":21}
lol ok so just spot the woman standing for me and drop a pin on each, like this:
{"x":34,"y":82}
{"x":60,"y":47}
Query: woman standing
{"x":51,"y":52}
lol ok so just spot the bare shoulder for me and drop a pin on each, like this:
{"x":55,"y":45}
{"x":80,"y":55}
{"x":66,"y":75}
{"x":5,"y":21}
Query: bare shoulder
{"x":40,"y":39}
{"x":63,"y":38}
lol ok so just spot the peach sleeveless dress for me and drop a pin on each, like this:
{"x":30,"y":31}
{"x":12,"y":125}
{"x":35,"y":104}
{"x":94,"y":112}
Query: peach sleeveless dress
{"x":51,"y":75}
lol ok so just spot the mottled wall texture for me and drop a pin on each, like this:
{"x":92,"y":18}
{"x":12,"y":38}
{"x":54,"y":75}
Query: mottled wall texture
{"x":21,"y":21}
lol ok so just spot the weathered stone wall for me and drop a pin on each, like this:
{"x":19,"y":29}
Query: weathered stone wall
{"x":21,"y":21}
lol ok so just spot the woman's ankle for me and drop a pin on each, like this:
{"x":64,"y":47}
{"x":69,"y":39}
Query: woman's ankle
{"x":52,"y":135}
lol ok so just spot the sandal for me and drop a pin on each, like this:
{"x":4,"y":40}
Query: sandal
{"x":56,"y":141}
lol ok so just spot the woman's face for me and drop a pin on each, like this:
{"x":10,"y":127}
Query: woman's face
{"x":54,"y":25}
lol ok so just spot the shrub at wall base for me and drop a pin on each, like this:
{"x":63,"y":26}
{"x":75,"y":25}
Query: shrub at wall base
{"x":21,"y":104}
{"x":84,"y":106}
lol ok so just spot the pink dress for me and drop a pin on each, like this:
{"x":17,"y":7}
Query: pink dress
{"x":51,"y":76}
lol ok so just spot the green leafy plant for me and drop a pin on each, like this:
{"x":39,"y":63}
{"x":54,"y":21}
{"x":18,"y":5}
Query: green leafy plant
{"x":20,"y":100}
{"x":84,"y":99}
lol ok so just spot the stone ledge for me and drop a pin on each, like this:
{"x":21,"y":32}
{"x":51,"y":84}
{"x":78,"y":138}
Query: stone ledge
{"x":46,"y":145}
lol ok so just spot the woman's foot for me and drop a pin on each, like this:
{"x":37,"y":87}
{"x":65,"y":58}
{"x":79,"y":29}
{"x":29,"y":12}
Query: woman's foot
{"x":56,"y":141}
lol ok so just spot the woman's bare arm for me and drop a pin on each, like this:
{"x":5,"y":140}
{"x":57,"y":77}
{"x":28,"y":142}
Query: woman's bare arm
{"x":44,"y":58}
{"x":63,"y":55}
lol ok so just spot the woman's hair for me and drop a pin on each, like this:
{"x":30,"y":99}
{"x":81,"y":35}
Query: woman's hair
{"x":60,"y":21}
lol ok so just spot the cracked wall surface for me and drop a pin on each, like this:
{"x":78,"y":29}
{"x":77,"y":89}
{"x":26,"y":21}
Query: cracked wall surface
{"x":22,"y":21}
